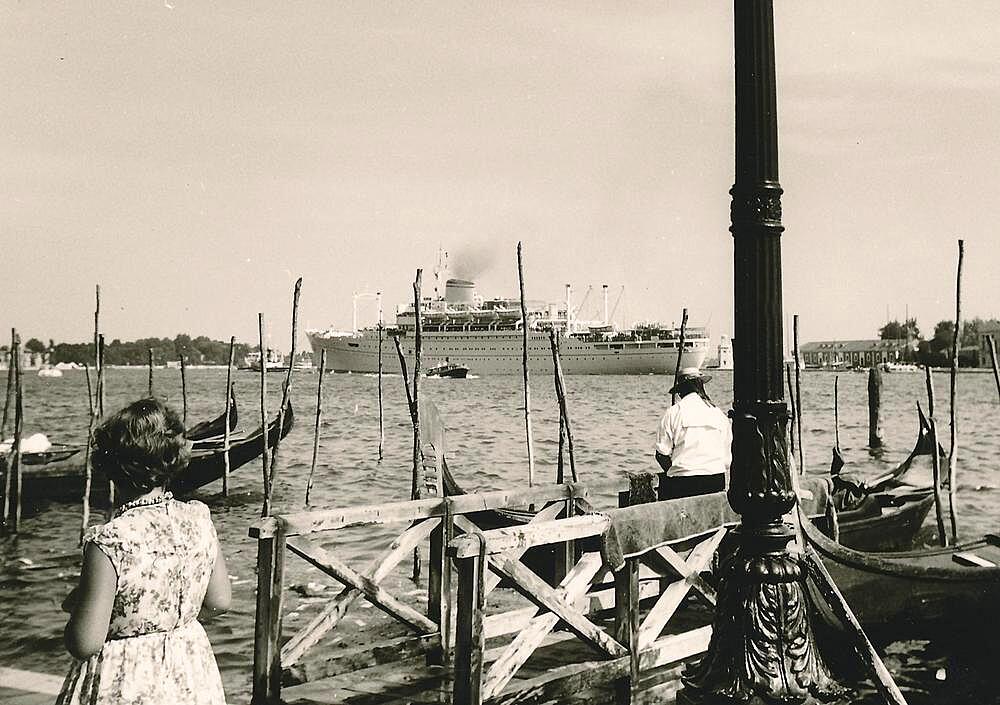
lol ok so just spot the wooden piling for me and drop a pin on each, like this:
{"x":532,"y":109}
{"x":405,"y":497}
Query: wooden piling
{"x":229,"y":404}
{"x":836,"y":412}
{"x":9,"y":395}
{"x":15,"y":468}
{"x":265,"y":456}
{"x":319,"y":420}
{"x":935,"y":459}
{"x":98,"y":353}
{"x":874,"y":407}
{"x":524,"y":364}
{"x":381,"y":426}
{"x":403,"y":372}
{"x":184,"y":392}
{"x":680,"y":352}
{"x":993,"y":359}
{"x":415,"y":413}
{"x":953,"y":451}
{"x":149,"y":391}
{"x":285,"y":391}
{"x":563,"y":409}
{"x":100,"y":414}
{"x":798,"y":389}
{"x":792,"y":412}
{"x":88,"y":468}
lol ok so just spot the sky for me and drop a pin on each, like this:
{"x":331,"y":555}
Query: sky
{"x":195,"y":159}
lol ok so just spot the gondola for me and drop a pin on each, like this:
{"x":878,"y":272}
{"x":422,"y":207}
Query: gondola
{"x":215,"y":428}
{"x":201,"y":433}
{"x":850,"y":488}
{"x":63,"y":483}
{"x":930,"y":589}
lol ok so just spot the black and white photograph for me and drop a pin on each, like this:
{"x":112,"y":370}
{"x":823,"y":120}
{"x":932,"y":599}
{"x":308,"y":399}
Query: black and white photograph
{"x":477,"y":353}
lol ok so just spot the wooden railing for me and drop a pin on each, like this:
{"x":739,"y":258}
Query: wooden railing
{"x":633,"y":646}
{"x":435,"y":521}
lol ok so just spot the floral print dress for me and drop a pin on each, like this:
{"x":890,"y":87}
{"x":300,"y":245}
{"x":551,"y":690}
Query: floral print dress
{"x":156,"y":651}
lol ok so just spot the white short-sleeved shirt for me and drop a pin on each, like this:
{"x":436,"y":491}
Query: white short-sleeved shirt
{"x":697,"y":436}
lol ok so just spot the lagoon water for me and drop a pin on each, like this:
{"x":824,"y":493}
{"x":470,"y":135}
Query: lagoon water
{"x":614,"y":421}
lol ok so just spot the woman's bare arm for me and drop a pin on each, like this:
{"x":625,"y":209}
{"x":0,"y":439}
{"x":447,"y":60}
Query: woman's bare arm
{"x":90,"y":614}
{"x":219,"y":595}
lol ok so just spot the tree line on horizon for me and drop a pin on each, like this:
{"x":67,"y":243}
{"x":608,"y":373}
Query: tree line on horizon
{"x":200,"y":350}
{"x":936,"y":351}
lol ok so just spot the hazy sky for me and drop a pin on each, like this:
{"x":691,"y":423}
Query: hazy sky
{"x":195,"y":158}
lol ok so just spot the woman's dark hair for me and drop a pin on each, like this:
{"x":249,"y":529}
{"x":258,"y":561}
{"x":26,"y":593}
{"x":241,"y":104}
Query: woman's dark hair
{"x":142,"y":446}
{"x":697,"y":386}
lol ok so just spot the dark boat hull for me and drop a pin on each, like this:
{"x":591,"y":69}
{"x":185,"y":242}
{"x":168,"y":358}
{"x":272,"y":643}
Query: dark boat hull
{"x":66,"y":483}
{"x":913,"y":593}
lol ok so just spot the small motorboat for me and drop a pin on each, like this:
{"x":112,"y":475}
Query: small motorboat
{"x":448,"y":369}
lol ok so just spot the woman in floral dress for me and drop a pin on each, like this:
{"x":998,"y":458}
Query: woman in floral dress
{"x":147,"y":576}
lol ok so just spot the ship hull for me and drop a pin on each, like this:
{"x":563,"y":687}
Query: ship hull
{"x":500,"y":353}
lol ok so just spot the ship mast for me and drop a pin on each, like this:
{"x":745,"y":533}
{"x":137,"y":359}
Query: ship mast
{"x":605,"y":288}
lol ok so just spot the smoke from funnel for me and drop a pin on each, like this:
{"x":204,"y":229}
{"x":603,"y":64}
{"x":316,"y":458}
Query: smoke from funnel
{"x":471,"y":261}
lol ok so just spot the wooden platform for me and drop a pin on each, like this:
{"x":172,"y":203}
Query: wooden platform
{"x":18,"y":687}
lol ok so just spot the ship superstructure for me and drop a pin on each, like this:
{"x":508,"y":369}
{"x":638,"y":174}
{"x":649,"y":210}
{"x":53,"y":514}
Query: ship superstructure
{"x":486,"y":336}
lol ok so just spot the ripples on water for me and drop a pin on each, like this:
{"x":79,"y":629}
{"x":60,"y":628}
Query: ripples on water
{"x":614,"y":426}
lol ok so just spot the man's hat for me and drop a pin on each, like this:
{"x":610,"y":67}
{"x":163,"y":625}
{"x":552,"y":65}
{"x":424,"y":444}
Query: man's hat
{"x":688,"y":374}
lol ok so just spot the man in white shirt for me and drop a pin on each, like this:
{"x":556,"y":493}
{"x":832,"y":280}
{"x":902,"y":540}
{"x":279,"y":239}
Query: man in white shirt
{"x":693,"y":444}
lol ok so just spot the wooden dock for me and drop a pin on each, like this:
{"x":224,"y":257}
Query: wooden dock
{"x":565,"y":626}
{"x":18,"y":687}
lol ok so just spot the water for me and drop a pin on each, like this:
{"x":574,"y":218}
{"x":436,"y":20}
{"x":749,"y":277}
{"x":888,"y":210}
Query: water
{"x":614,"y":425}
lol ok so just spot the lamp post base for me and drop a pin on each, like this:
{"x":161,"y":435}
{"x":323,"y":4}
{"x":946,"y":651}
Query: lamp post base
{"x":762,"y":650}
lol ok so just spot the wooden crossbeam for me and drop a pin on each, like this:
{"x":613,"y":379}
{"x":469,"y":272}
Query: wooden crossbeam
{"x":465,"y":525}
{"x":690,"y":571}
{"x":574,"y":585}
{"x":544,"y":596}
{"x":372,"y":591}
{"x":376,"y":571}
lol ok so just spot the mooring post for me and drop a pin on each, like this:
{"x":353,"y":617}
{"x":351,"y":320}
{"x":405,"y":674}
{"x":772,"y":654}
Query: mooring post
{"x":229,"y":409}
{"x":874,"y":408}
{"x":627,"y":626}
{"x":470,"y":640}
{"x":149,"y":383}
{"x":267,"y":623}
{"x":763,"y":582}
{"x":439,"y":585}
{"x":993,"y":361}
{"x":15,"y":468}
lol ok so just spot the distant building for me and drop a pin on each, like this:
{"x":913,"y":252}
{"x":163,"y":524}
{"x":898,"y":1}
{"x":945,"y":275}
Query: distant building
{"x":988,"y":329}
{"x":725,"y":354}
{"x":855,"y":353}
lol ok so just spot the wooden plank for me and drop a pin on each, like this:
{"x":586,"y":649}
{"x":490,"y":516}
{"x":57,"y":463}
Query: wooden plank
{"x":971,"y":559}
{"x":529,"y":535}
{"x":335,"y":610}
{"x":531,"y":636}
{"x":627,"y":626}
{"x":299,"y":523}
{"x":362,"y":657}
{"x":672,"y":597}
{"x":469,"y":639}
{"x":372,"y":591}
{"x":439,"y":607}
{"x":267,"y":623}
{"x":30,"y":681}
{"x":549,"y":513}
{"x":544,"y":596}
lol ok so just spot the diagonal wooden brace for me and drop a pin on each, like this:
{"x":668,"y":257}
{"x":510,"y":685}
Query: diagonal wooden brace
{"x":544,"y":596}
{"x":533,"y":634}
{"x":376,"y":571}
{"x":690,"y":571}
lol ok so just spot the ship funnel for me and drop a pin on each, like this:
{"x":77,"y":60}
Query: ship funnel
{"x":459,"y":291}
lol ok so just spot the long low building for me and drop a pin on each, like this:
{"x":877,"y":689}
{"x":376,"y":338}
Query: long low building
{"x":854,"y":353}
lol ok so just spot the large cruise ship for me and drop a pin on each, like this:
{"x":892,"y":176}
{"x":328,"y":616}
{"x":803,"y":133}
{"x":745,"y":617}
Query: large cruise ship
{"x":485,"y":335}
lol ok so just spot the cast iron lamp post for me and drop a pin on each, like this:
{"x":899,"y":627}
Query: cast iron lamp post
{"x":762,"y":648}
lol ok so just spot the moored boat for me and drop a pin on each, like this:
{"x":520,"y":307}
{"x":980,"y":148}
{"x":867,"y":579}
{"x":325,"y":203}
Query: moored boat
{"x":65,"y":483}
